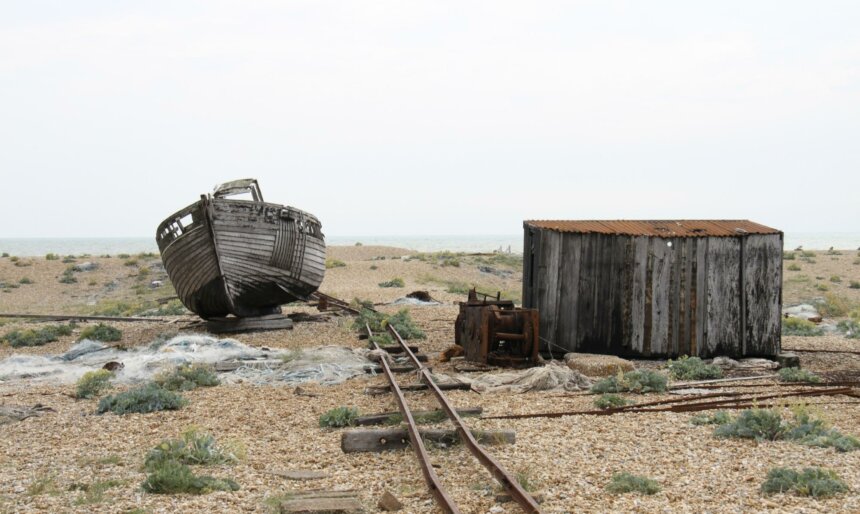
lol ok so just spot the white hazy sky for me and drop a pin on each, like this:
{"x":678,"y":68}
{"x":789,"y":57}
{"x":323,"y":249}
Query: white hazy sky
{"x":418,"y":118}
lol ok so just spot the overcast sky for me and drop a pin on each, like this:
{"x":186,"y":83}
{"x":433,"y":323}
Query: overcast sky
{"x":419,"y":118}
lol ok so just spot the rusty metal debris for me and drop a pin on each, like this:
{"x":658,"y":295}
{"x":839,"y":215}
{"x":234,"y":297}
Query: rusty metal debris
{"x":493,"y":331}
{"x":689,"y":404}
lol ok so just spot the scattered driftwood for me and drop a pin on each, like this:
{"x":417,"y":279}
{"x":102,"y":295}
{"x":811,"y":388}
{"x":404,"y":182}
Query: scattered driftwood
{"x":385,"y":417}
{"x":268,"y":322}
{"x":375,"y":390}
{"x":73,"y":317}
{"x":13,"y":413}
{"x":318,"y":501}
{"x":379,"y":440}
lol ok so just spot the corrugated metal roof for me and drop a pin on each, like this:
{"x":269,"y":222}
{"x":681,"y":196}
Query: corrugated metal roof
{"x":660,"y":228}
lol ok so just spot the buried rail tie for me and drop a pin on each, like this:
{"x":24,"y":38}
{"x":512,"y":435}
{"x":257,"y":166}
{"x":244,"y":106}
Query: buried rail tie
{"x":442,"y":498}
{"x":681,"y":407}
{"x":511,"y":485}
{"x":68,"y":317}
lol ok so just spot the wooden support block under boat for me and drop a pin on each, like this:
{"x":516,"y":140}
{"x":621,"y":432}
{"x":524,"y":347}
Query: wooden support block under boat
{"x":230,"y":324}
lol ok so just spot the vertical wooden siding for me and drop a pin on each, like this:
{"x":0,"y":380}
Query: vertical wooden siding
{"x":639,"y":296}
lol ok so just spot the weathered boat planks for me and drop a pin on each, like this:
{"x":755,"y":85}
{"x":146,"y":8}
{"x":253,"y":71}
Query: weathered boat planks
{"x":241,"y":257}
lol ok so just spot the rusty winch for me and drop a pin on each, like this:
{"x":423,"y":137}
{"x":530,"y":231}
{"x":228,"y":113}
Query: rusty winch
{"x":493,"y":331}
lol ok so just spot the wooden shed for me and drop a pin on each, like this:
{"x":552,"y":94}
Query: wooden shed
{"x":655,"y":288}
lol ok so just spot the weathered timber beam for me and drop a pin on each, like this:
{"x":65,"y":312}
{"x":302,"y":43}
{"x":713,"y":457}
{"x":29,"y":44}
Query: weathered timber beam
{"x":386,"y":417}
{"x":374,"y":390}
{"x":378,"y":440}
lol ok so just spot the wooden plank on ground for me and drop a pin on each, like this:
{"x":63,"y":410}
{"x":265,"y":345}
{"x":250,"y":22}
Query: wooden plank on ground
{"x":378,"y":440}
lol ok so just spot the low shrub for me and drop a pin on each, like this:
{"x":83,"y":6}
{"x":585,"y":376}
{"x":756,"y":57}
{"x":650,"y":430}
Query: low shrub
{"x":339,"y":417}
{"x":93,"y":383}
{"x":193,"y":447}
{"x":788,"y":256}
{"x":94,"y":492}
{"x":187,"y":377}
{"x":101,"y":332}
{"x":850,"y":328}
{"x":334,"y":263}
{"x":835,"y":279}
{"x":854,"y":284}
{"x":718,"y":418}
{"x":638,"y":381}
{"x":131,"y":262}
{"x":68,"y":259}
{"x":793,"y":267}
{"x":610,"y":401}
{"x":800,"y":327}
{"x":142,"y":399}
{"x":5,"y":255}
{"x":693,"y":368}
{"x":768,"y":425}
{"x":171,"y":477}
{"x":822,"y":287}
{"x":52,"y":257}
{"x":814,"y":482}
{"x":394,"y":282}
{"x":798,"y":375}
{"x":37,"y":337}
{"x":25,"y":281}
{"x":758,"y":424}
{"x":68,"y":277}
{"x":622,"y":483}
{"x":834,"y":306}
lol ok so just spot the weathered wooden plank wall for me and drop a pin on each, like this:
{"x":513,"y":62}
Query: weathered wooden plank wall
{"x":641,"y":296}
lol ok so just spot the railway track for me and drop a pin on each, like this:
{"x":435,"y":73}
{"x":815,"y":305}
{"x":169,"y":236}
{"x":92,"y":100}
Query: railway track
{"x":443,"y":499}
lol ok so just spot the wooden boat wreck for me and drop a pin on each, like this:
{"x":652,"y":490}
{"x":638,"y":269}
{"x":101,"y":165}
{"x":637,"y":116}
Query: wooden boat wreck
{"x":243,"y":257}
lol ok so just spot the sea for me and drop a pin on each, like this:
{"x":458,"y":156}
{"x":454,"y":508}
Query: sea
{"x":475,"y":243}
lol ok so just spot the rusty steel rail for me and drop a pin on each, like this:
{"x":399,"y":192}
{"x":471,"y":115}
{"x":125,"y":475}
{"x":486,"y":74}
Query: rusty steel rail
{"x":430,"y":476}
{"x":511,"y":485}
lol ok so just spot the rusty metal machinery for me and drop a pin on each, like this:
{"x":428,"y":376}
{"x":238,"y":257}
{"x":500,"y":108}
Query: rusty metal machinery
{"x":493,"y":331}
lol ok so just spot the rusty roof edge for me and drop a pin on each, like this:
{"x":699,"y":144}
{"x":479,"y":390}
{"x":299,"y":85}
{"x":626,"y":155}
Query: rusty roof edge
{"x":657,"y":228}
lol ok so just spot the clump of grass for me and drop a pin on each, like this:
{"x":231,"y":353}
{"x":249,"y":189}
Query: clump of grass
{"x":834,"y":306}
{"x":187,"y":377}
{"x":339,"y":417}
{"x":22,"y":264}
{"x":171,"y":308}
{"x":788,"y":256}
{"x":800,"y":327}
{"x":822,"y":287}
{"x":5,"y":255}
{"x":37,"y":337}
{"x":94,"y":493}
{"x":93,"y":383}
{"x":123,"y":256}
{"x":638,"y":381}
{"x":25,"y":281}
{"x":131,"y":262}
{"x":401,"y":321}
{"x":171,"y":477}
{"x":45,"y":484}
{"x":718,"y":418}
{"x":193,"y":447}
{"x":758,"y":424}
{"x":52,"y":257}
{"x":835,"y":279}
{"x":373,"y":267}
{"x":693,"y":368}
{"x":394,"y":282}
{"x":610,"y":401}
{"x":334,"y":263}
{"x":793,"y":267}
{"x":143,"y":399}
{"x":383,"y":339}
{"x":798,"y":375}
{"x":68,"y":259}
{"x":854,"y":284}
{"x":850,"y":328}
{"x":623,"y":483}
{"x":68,"y":276}
{"x":101,"y":332}
{"x":814,"y":482}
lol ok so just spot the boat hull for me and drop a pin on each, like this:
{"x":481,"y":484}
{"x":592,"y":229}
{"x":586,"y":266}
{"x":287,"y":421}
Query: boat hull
{"x":241,"y":257}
